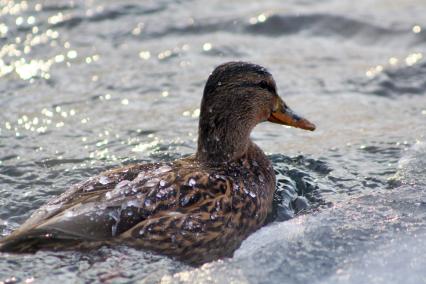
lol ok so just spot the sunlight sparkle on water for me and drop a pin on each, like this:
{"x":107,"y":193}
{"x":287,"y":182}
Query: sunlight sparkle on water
{"x":144,"y":54}
{"x":165,"y":54}
{"x":393,"y":61}
{"x":207,"y":46}
{"x":258,"y":19}
{"x":413,"y":58}
{"x":417,"y":29}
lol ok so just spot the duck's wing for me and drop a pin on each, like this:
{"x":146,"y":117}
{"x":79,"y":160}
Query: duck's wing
{"x":74,"y":205}
{"x":115,"y":201}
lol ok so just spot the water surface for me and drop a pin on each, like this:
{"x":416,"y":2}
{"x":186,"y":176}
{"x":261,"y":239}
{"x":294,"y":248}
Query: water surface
{"x":90,"y":85}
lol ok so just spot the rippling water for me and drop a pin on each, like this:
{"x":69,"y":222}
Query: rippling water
{"x":90,"y":85}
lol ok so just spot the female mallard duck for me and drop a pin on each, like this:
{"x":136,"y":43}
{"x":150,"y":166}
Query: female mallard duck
{"x":195,"y":209}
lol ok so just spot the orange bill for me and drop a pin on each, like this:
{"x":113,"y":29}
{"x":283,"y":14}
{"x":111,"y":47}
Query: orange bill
{"x":284,"y":115}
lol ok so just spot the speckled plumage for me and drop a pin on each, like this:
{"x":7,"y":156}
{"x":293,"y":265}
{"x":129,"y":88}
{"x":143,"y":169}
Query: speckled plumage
{"x":195,"y":209}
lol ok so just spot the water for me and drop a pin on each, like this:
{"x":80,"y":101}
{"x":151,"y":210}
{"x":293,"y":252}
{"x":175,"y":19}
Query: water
{"x":86,"y":86}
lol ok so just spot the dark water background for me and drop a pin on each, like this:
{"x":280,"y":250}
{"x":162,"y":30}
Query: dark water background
{"x":89,"y":85}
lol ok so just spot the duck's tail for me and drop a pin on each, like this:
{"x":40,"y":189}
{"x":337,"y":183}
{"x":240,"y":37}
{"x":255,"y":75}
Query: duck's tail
{"x":30,"y":243}
{"x":38,"y":240}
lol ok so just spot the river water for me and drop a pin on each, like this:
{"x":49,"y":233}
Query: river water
{"x":90,"y":85}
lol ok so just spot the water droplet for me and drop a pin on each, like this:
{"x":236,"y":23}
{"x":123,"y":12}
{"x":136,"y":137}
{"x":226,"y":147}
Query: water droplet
{"x":235,"y":186}
{"x":114,"y":215}
{"x":140,"y":177}
{"x":147,"y":203}
{"x":50,"y":208}
{"x":162,"y":182}
{"x":184,"y":201}
{"x":101,"y":206}
{"x":213,"y":216}
{"x":133,"y":203}
{"x":163,"y":193}
{"x":152,"y":182}
{"x":163,"y":169}
{"x":191,"y":182}
{"x":108,"y":195}
{"x":104,"y":180}
{"x":122,"y":184}
{"x":89,"y":188}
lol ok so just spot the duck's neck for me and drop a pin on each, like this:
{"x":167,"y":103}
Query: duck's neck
{"x":222,"y":140}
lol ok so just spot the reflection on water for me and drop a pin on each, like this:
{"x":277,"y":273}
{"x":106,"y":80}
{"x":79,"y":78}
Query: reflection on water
{"x":90,"y":85}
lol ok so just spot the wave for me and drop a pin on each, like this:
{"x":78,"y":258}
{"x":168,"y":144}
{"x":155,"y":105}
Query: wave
{"x":407,"y":80}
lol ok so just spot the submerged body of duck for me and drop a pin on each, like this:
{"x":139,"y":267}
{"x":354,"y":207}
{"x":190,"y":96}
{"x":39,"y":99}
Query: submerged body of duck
{"x":195,"y":209}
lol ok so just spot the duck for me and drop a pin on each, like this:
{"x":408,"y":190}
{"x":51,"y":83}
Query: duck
{"x":196,"y":209}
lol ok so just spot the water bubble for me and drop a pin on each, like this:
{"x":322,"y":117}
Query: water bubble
{"x":162,"y":182}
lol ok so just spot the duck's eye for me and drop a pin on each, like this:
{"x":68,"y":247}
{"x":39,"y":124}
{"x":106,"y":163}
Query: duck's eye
{"x":265,"y":85}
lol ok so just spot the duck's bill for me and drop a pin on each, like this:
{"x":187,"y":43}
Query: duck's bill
{"x":284,"y":115}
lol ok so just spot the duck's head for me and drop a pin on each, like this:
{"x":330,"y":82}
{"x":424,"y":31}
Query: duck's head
{"x":238,"y":96}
